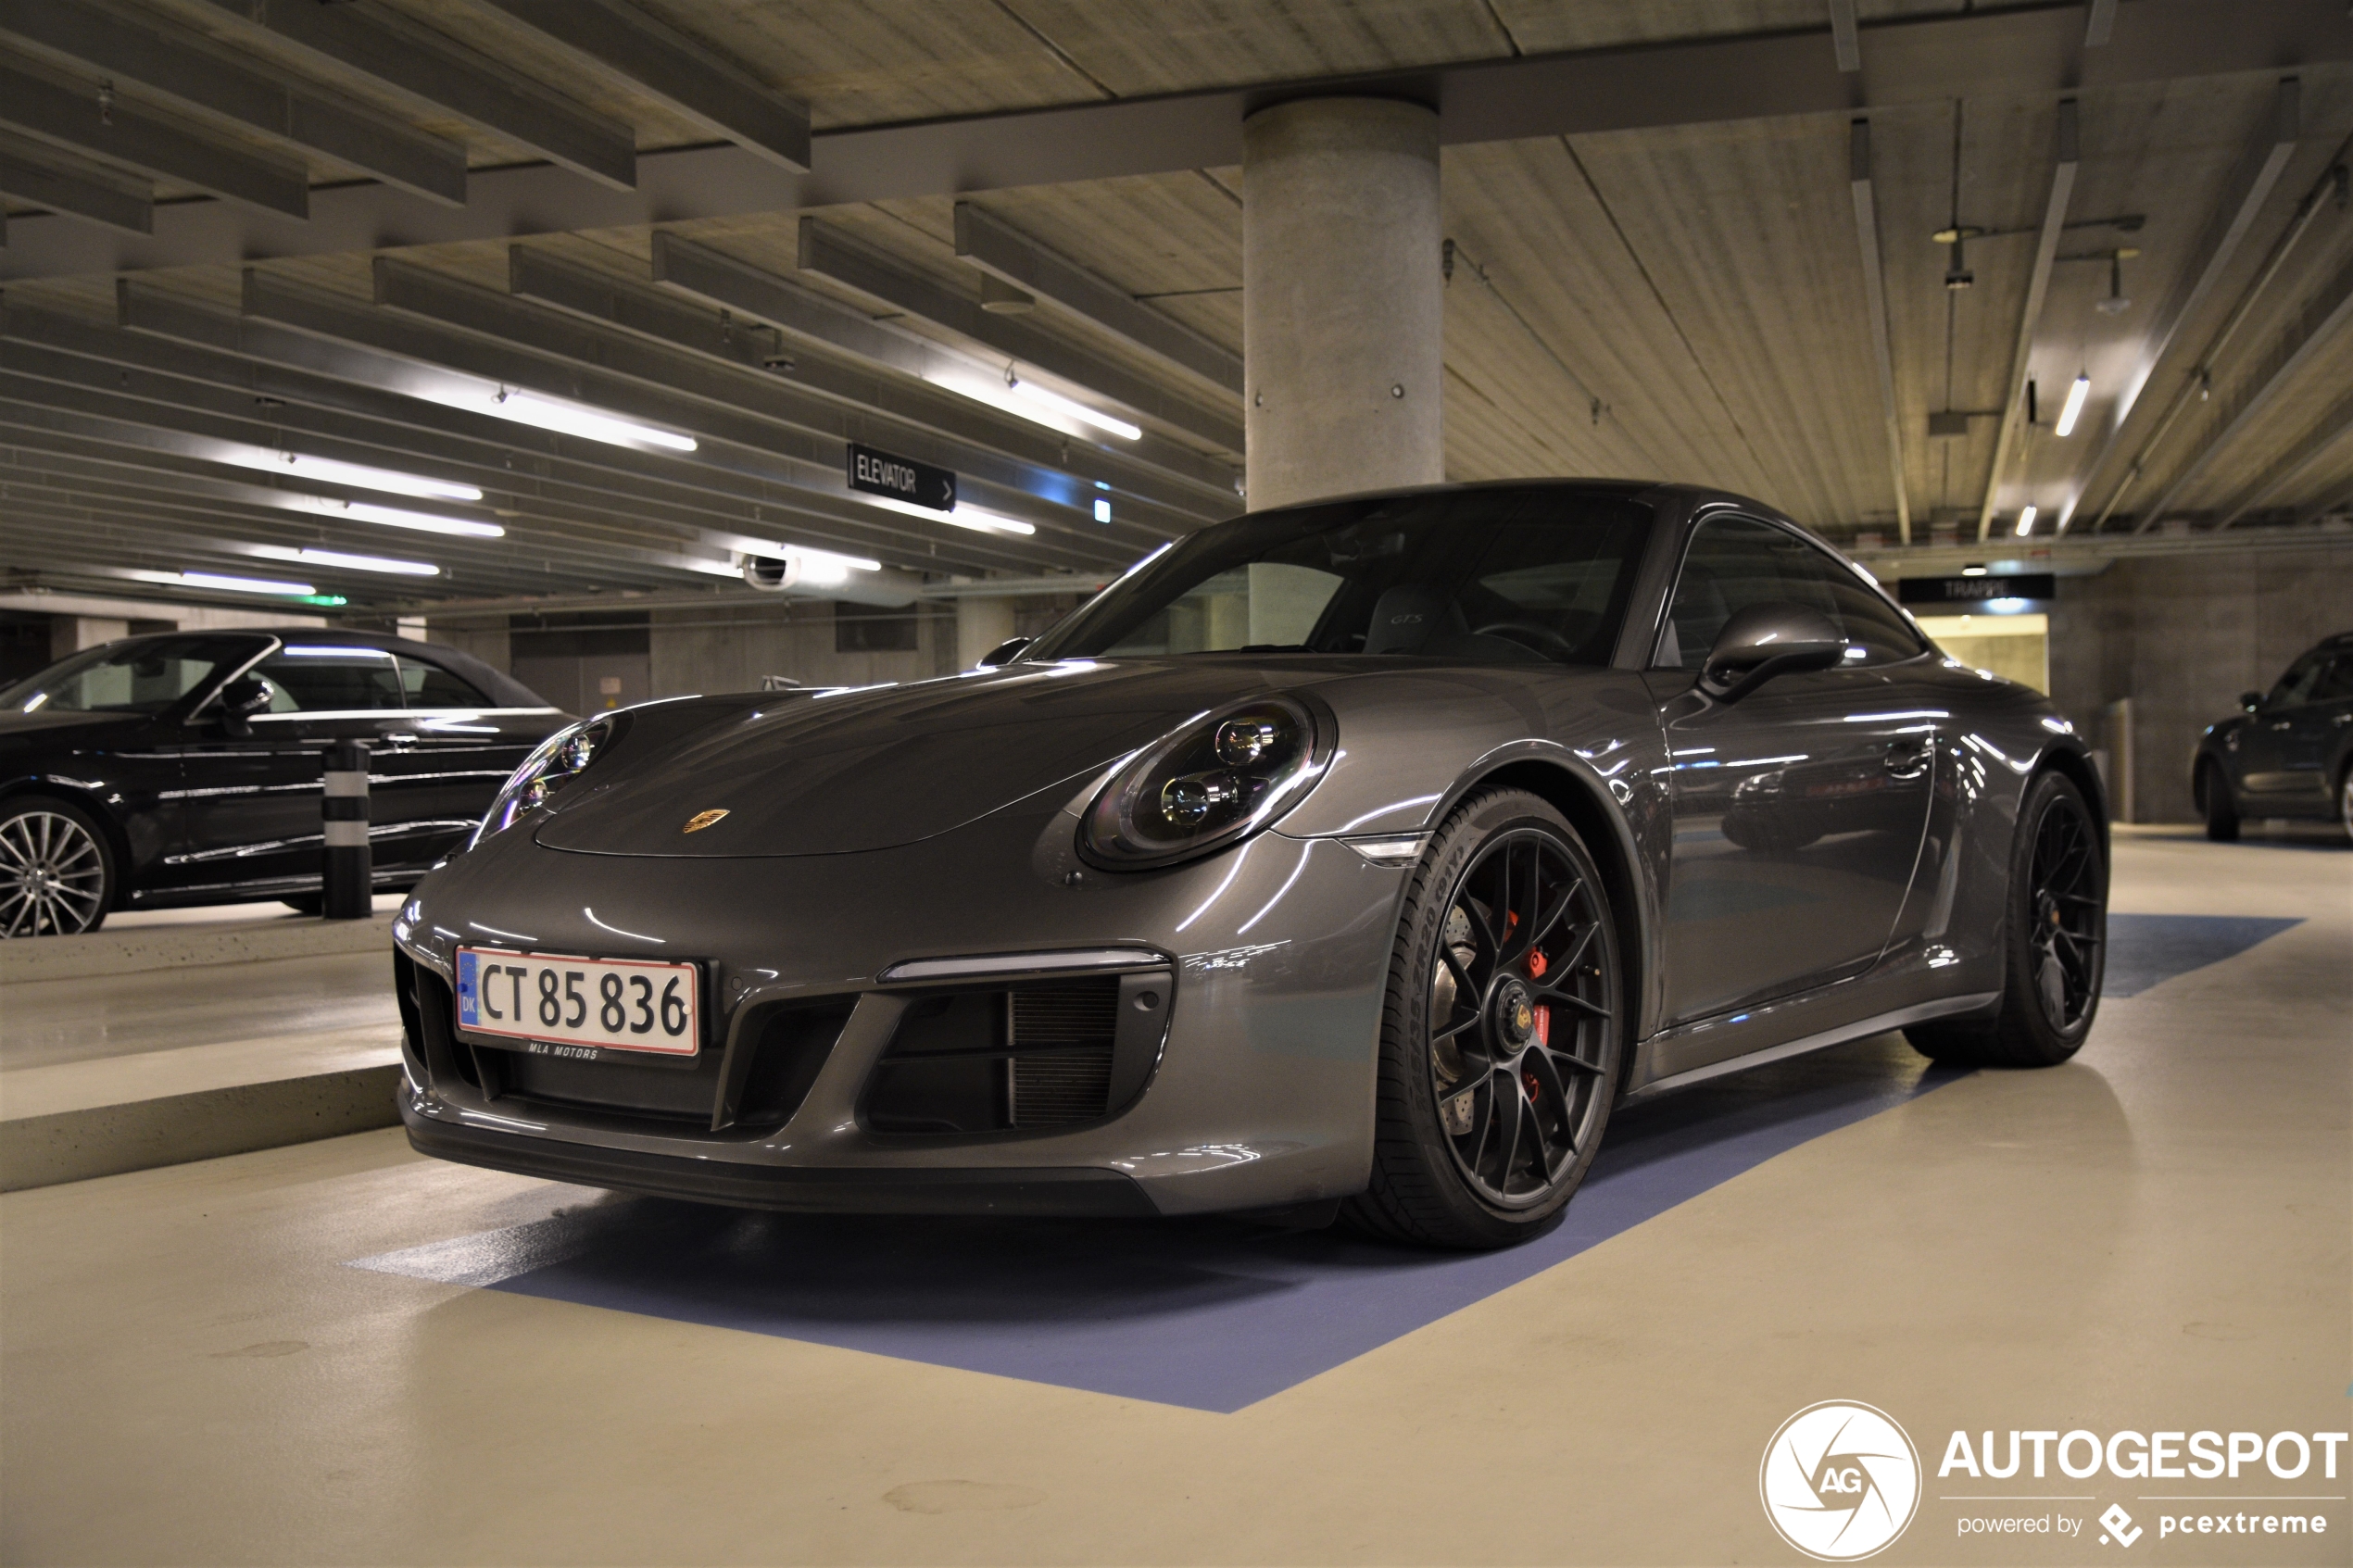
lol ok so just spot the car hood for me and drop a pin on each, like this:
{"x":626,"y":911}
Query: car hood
{"x":845,"y":772}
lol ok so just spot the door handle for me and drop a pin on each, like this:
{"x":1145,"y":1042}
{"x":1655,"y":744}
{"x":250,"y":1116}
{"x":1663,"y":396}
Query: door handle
{"x":1909,"y":759}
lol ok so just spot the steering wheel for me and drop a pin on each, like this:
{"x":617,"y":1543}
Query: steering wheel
{"x":1535,"y":638}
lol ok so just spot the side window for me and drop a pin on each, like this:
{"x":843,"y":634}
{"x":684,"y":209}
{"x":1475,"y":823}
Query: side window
{"x":332,"y":679}
{"x":1734,"y":562}
{"x":2337,"y":685}
{"x":429,"y":685}
{"x":2299,"y":685}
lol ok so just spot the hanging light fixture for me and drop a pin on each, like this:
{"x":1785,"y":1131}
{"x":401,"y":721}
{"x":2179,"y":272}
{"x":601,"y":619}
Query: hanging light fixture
{"x":2072,"y":409}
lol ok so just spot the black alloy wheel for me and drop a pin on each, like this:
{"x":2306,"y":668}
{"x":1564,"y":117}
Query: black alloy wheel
{"x":56,"y":873}
{"x":1502,"y":1039}
{"x":2220,"y":811}
{"x":2054,"y":945}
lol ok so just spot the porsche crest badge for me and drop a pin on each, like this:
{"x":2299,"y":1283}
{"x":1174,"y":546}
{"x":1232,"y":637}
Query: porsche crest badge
{"x":702,"y":819}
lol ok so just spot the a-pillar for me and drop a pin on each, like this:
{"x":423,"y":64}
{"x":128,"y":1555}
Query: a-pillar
{"x":1342,"y":299}
{"x":981,"y":624}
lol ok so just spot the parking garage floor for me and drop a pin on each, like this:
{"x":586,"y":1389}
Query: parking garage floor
{"x":341,"y":1352}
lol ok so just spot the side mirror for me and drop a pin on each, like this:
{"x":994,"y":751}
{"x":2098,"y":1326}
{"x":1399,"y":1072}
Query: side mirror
{"x":1764,"y":640}
{"x":1005,"y":652}
{"x":240,"y":699}
{"x":2251,"y":701}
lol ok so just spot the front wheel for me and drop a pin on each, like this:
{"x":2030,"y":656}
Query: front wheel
{"x":2221,"y":813}
{"x":56,"y":871}
{"x":1502,"y":1033}
{"x":2054,"y":941}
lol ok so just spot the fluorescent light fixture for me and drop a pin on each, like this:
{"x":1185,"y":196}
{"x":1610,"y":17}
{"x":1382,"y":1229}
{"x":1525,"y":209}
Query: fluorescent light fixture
{"x":427,"y":522}
{"x":1074,"y":410}
{"x":568,"y":419}
{"x":2025,"y":521}
{"x":976,"y":518}
{"x":2072,"y":408}
{"x":329,"y":470}
{"x":348,"y":562}
{"x":1972,"y":570}
{"x":226,"y":584}
{"x":1102,"y":508}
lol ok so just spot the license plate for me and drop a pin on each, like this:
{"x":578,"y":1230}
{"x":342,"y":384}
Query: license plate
{"x":610,"y":1004}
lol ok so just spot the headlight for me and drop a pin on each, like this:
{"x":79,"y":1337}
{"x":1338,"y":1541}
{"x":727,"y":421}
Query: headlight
{"x":1219,"y":778}
{"x":553,"y":763}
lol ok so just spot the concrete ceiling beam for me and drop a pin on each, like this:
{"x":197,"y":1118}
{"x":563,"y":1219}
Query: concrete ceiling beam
{"x":688,"y":77}
{"x":1189,"y":482}
{"x":140,"y":411}
{"x":1005,"y":253}
{"x":2250,"y":187}
{"x":2065,"y":160}
{"x":334,"y":387}
{"x":27,"y":180}
{"x":92,"y":122}
{"x":2026,"y":51}
{"x":628,"y":376}
{"x":437,"y":73}
{"x":2319,"y":445}
{"x":120,"y":48}
{"x":2323,"y":315}
{"x":828,"y":253}
{"x":1858,"y":170}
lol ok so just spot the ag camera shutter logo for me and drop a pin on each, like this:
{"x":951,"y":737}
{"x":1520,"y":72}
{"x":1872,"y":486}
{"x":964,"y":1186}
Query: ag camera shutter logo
{"x":1840,"y":1481}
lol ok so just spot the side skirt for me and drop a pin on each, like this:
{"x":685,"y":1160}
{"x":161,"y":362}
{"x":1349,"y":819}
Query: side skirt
{"x":1649,"y":1054}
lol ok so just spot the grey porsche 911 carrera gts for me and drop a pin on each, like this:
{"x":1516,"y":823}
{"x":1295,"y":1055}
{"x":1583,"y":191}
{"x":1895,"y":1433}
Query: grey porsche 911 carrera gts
{"x":1358,"y":856}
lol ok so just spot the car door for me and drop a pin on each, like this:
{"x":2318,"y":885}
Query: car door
{"x":2279,"y":750}
{"x":437,"y":763}
{"x":1799,"y":808}
{"x":2316,"y":738}
{"x":254,"y":798}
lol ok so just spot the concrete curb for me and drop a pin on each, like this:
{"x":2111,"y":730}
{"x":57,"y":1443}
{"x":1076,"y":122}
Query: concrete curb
{"x":72,"y":1146}
{"x":102,"y":953}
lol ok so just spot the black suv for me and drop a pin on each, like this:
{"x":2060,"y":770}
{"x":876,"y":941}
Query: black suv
{"x":186,"y":768}
{"x":2290,"y":753}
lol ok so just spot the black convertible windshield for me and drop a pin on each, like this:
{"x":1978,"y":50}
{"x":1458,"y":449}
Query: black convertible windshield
{"x":143,"y":675}
{"x":1468,"y":576}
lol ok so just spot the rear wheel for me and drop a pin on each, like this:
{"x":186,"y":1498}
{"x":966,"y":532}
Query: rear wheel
{"x":2222,"y":812}
{"x":56,"y":873}
{"x":1502,"y":1035}
{"x":2345,"y":801}
{"x":2053,"y":942}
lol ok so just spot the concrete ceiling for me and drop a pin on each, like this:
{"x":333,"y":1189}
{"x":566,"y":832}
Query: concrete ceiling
{"x":1671,"y":287}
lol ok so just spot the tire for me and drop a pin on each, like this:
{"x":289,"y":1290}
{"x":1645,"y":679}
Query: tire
{"x":58,"y":875}
{"x":1489,"y":1115}
{"x":2222,"y":812}
{"x":2053,"y":942}
{"x":2345,"y":800}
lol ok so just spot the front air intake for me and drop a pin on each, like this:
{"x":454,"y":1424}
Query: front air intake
{"x":1062,"y":1039}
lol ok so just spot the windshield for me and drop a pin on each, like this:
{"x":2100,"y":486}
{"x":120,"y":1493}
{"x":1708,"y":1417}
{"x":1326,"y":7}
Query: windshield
{"x":145,"y":675}
{"x":1476,"y":576}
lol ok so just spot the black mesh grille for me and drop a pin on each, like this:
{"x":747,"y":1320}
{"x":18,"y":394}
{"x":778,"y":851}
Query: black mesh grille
{"x":1061,"y":1042}
{"x":1049,"y":1088}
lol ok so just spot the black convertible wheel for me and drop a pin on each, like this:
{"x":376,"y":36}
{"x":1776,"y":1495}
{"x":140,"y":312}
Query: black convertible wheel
{"x":2054,"y":947}
{"x":56,"y":875}
{"x":1501,"y":1042}
{"x":2214,"y":800}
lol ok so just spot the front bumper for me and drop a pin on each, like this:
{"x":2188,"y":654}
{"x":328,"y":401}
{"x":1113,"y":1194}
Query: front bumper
{"x":1260,"y":1094}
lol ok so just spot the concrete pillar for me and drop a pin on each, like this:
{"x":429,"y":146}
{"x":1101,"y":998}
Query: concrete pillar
{"x":71,"y":633}
{"x":981,"y":624}
{"x":1343,"y":308}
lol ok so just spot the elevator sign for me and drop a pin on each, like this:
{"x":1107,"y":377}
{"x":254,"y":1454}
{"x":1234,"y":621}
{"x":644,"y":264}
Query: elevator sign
{"x":902,"y":479}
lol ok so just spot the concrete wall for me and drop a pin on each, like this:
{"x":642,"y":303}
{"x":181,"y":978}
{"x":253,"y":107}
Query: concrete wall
{"x":730,"y":650}
{"x":2182,"y":636}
